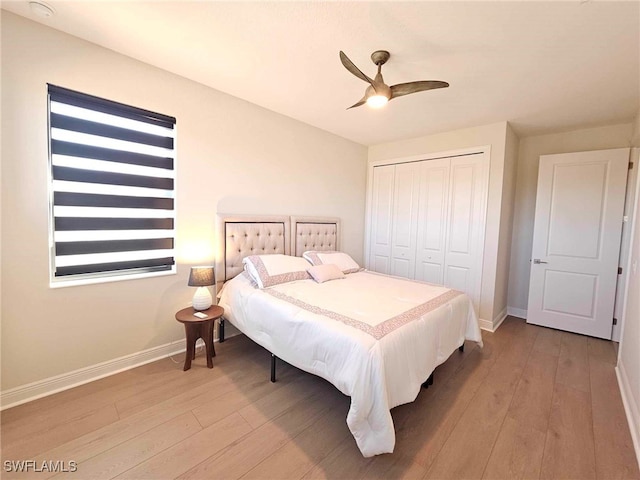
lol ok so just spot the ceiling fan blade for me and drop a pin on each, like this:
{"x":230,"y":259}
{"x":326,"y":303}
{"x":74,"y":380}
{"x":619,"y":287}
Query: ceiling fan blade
{"x":362,"y":101}
{"x":413,"y":87}
{"x":349,"y":65}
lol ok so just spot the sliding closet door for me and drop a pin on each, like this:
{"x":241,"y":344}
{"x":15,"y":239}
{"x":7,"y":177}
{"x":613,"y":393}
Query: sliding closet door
{"x":432,"y":220}
{"x":381,"y":219}
{"x":427,"y":221}
{"x":465,"y":233}
{"x":405,"y":219}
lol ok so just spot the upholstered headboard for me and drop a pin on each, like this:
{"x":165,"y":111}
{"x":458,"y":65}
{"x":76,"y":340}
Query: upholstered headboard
{"x":238,"y":236}
{"x":314,"y":233}
{"x":243,"y":235}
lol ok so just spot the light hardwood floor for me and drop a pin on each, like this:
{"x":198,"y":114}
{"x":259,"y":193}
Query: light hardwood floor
{"x":533,"y":403}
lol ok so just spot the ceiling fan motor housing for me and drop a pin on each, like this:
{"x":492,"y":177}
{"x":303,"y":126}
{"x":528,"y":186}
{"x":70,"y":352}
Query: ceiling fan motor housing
{"x":380,"y":89}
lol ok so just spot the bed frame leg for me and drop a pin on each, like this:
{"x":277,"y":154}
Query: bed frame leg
{"x":221,"y":330}
{"x":461,"y":348}
{"x":428,"y":382}
{"x":273,"y":368}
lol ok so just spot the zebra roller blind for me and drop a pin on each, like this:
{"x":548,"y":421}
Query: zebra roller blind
{"x":113,"y":187}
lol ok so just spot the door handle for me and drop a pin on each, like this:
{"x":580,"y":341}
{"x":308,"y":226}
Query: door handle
{"x":537,"y":261}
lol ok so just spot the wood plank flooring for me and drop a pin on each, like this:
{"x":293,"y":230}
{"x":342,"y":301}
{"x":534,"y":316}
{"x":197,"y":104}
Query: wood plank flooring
{"x":533,"y":403}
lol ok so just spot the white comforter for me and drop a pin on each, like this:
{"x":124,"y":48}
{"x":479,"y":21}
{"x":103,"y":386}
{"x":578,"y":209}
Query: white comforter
{"x":376,"y":338}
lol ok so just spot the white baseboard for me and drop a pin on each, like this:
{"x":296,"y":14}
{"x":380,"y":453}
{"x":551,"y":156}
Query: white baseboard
{"x":631,"y":408}
{"x":48,"y":386}
{"x":492,"y":326}
{"x":517,"y":312}
{"x":485,"y":325}
{"x":497,"y":321}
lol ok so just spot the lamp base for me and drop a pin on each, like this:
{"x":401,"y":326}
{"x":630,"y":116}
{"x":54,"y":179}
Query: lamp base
{"x":202,"y":299}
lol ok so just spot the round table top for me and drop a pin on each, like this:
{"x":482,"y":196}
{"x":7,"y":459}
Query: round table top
{"x":186,"y":314}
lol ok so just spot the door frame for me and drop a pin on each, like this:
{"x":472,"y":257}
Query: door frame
{"x":633,"y":190}
{"x":484,"y":150}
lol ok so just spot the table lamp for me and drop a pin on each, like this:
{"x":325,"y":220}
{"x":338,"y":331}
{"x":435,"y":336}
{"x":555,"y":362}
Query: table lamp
{"x":202,"y":277}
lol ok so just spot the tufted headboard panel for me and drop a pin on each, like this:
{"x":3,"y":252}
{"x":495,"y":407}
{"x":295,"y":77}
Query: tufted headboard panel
{"x":239,"y":236}
{"x":314,"y":233}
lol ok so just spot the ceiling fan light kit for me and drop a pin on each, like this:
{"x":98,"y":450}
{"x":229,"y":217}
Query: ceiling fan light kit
{"x":379,"y":93}
{"x":377,"y":101}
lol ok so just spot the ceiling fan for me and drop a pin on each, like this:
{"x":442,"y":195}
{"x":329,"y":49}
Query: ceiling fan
{"x":379,"y":93}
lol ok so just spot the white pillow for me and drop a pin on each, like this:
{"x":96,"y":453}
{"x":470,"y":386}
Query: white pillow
{"x":324,"y":273}
{"x":270,"y":270}
{"x":342,"y":260}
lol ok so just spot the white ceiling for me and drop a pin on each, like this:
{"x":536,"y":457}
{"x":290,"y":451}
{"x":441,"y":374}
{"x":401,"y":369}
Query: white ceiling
{"x":543,"y":66}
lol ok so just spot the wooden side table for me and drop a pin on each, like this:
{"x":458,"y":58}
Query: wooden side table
{"x":195,"y":328}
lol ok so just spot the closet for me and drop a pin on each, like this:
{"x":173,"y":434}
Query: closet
{"x":427,"y":220}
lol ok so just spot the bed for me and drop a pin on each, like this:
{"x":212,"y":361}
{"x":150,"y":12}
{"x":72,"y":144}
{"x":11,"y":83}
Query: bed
{"x":376,"y":338}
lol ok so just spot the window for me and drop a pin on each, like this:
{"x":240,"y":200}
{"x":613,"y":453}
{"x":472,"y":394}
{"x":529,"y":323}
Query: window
{"x":112,"y":189}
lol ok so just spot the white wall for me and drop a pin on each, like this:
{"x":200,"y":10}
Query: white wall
{"x":629,"y":353}
{"x":530,"y":149}
{"x":635,"y":141}
{"x":493,"y":135}
{"x":233,"y":157}
{"x":506,"y":225}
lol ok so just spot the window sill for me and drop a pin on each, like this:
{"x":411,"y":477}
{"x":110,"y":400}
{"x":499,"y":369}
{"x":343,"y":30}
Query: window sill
{"x":93,"y":280}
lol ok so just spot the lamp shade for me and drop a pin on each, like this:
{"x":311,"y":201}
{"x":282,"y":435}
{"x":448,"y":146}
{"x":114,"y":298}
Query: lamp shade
{"x":201,"y":277}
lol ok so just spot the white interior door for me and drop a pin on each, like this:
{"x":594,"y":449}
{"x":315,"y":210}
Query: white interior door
{"x":381,"y":219}
{"x":576,"y":241}
{"x":432,"y":220}
{"x":405,"y":219}
{"x":468,"y":180}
